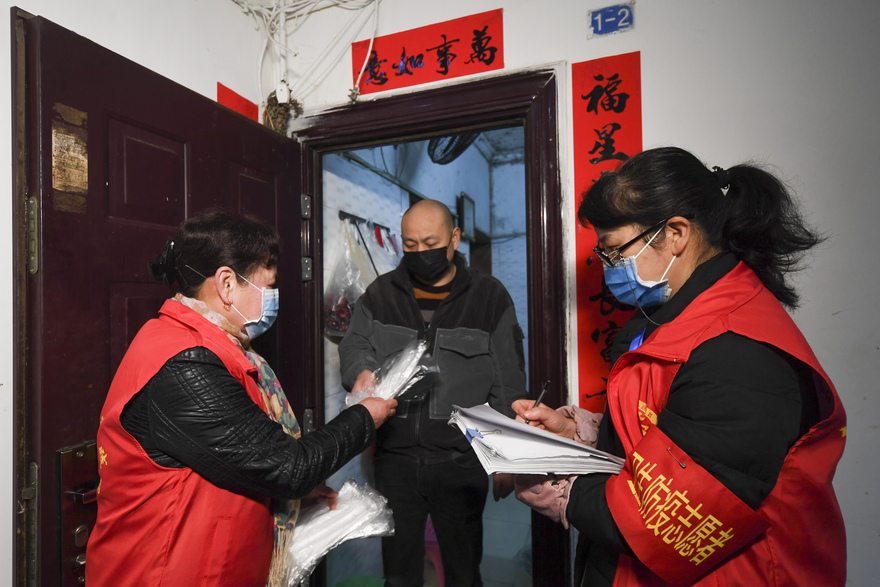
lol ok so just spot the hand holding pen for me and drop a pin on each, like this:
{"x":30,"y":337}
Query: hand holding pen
{"x":543,"y":417}
{"x":540,"y":396}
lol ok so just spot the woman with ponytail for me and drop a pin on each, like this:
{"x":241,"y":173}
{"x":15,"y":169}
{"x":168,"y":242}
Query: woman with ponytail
{"x":730,"y":428}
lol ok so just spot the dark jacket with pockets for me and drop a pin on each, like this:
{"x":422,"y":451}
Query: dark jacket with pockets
{"x":475,"y":338}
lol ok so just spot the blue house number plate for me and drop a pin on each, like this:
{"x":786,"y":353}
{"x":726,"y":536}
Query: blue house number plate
{"x":612,"y":19}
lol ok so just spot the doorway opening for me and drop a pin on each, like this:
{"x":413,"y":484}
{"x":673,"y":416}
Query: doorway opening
{"x":333,"y":142}
{"x":480,"y":176}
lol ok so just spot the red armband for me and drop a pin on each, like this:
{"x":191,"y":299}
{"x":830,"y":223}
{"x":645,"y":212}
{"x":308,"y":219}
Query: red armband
{"x":678,"y":519}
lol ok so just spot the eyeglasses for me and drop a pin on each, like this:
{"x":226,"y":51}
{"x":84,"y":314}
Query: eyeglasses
{"x":612,"y":258}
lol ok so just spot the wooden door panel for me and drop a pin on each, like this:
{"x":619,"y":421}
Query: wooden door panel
{"x":253,"y":190}
{"x":118,"y":156}
{"x":143,"y":164}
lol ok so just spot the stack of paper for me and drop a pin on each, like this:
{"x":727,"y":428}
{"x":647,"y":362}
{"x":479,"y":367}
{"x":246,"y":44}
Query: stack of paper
{"x":504,"y":445}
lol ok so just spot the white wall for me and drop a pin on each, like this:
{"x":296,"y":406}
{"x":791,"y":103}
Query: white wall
{"x":792,"y":82}
{"x":193,"y":42}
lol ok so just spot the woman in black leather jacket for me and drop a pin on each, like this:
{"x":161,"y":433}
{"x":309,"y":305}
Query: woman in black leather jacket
{"x":201,"y":460}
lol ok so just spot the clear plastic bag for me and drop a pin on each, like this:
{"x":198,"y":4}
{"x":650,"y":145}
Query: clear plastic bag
{"x":349,"y":278}
{"x":361,"y":512}
{"x":398,"y":374}
{"x":380,"y":253}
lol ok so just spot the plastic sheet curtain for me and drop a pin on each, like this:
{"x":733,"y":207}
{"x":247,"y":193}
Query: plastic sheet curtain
{"x":365,"y":250}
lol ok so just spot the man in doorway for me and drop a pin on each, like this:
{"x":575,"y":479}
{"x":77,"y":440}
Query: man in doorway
{"x":424,"y":466}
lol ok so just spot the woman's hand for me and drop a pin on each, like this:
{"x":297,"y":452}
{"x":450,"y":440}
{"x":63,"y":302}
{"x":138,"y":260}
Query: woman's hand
{"x":544,"y":417}
{"x":546,"y":494}
{"x":323,"y":493}
{"x":365,"y":380}
{"x":380,"y":409}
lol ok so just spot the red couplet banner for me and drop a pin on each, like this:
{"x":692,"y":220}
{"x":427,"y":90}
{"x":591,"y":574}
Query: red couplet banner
{"x":230,"y":99}
{"x":607,"y":120}
{"x":464,"y":46}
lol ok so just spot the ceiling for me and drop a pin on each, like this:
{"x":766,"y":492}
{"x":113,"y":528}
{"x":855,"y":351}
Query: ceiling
{"x":502,"y":146}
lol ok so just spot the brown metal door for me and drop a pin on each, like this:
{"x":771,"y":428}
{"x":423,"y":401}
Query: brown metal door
{"x":111,"y":158}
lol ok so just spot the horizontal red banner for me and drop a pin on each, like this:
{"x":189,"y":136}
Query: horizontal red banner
{"x":464,"y":46}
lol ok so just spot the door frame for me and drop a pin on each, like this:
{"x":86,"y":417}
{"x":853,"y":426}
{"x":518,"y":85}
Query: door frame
{"x":525,"y":98}
{"x":24,"y":488}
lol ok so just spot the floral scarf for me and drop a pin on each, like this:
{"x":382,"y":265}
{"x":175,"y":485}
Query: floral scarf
{"x":278,"y":408}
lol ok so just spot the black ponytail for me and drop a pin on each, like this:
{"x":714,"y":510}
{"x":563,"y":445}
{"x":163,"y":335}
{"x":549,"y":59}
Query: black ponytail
{"x":744,"y":210}
{"x":766,"y":230}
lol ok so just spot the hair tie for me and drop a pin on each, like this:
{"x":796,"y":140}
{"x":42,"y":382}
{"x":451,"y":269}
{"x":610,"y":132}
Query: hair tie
{"x":163,"y":267}
{"x":722,"y":176}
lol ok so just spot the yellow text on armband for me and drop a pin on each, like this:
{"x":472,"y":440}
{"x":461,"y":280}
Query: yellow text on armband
{"x":672,"y":516}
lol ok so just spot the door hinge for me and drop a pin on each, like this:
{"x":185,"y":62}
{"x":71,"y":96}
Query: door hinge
{"x":306,"y":268}
{"x":308,"y":425}
{"x":305,"y":203}
{"x":33,"y":235}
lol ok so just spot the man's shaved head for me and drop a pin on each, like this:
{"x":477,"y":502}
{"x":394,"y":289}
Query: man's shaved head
{"x":431,"y":207}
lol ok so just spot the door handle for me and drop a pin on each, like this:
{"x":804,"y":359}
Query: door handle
{"x":84,"y":496}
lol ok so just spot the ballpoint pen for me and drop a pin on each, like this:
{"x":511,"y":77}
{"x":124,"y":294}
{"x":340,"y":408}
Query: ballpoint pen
{"x":540,"y":396}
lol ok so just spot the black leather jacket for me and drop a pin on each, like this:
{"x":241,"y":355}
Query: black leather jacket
{"x":194,"y":413}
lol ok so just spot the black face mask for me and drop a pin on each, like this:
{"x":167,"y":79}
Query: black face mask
{"x":427,"y":265}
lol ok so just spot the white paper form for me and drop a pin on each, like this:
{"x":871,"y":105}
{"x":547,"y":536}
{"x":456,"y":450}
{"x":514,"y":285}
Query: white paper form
{"x":504,"y":445}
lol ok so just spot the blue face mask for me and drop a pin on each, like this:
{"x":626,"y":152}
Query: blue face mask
{"x":625,"y":284}
{"x":268,"y":312}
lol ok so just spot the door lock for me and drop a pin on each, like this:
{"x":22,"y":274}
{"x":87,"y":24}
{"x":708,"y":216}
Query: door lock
{"x":78,"y":496}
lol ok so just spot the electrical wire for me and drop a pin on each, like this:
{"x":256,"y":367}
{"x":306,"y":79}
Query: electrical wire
{"x":284,"y":18}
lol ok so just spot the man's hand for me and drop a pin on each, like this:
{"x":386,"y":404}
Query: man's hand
{"x":502,"y":485}
{"x":544,"y":417}
{"x":380,"y":409}
{"x":365,"y":380}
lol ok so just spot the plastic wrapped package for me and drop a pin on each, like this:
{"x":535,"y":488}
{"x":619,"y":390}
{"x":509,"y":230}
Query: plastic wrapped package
{"x":397,"y":374}
{"x":361,"y":512}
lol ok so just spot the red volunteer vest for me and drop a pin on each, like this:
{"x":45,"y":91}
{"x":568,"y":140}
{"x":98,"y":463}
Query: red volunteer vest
{"x":163,"y":526}
{"x":684,"y":526}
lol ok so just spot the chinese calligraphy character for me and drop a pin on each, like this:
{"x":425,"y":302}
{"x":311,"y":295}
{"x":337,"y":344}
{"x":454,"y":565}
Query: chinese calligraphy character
{"x":403,"y":67}
{"x":598,"y":393}
{"x":374,"y":73}
{"x":610,"y":336}
{"x":605,"y":144}
{"x":444,"y":55}
{"x":607,"y":302}
{"x":480,"y":45}
{"x":705,"y":539}
{"x":605,"y":97}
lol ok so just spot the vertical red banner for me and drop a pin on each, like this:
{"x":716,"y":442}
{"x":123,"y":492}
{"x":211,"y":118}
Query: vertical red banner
{"x":446,"y":50}
{"x":607,"y":120}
